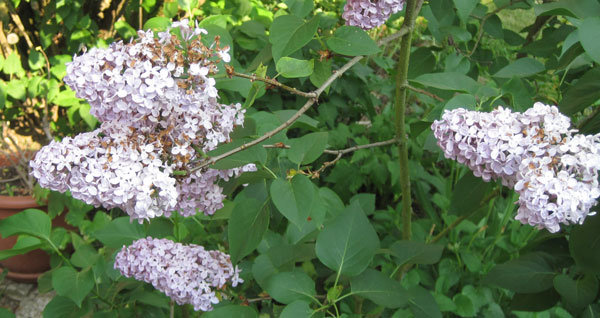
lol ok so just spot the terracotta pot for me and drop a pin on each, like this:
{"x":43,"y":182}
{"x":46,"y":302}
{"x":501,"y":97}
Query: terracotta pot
{"x":26,"y":267}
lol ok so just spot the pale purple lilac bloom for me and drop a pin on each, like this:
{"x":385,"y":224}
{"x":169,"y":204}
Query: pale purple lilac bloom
{"x":156,"y":105}
{"x":188,"y":274}
{"x":554,"y":170}
{"x":368,"y":14}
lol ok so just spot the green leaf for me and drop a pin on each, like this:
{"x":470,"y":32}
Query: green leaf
{"x":321,"y":73}
{"x":84,"y":112}
{"x":297,"y":309}
{"x":293,"y":68}
{"x":288,"y":34}
{"x":61,"y":306}
{"x":5,"y":313}
{"x":292,"y":197}
{"x":72,"y":284}
{"x":493,"y":27}
{"x":66,"y":98}
{"x":464,"y":306}
{"x":258,"y":88}
{"x":468,"y":194}
{"x":448,"y":81}
{"x":588,"y":36}
{"x":416,"y":252}
{"x":288,"y":287}
{"x":522,"y":67}
{"x":3,"y":89}
{"x":249,"y":221}
{"x":157,"y":24}
{"x":464,"y":8}
{"x":307,"y":148}
{"x":120,"y":231}
{"x":300,"y":8}
{"x":125,"y":30}
{"x":187,"y":5}
{"x":592,"y":125}
{"x":535,"y":302}
{"x":347,"y":244}
{"x":249,"y":155}
{"x":528,"y":274}
{"x":31,"y":221}
{"x":219,"y":20}
{"x":17,"y":89}
{"x":422,"y":303}
{"x":379,"y":288}
{"x":352,"y":41}
{"x":231,"y":311}
{"x":24,"y":244}
{"x":36,"y":60}
{"x":577,"y":293}
{"x":573,"y":8}
{"x":12,"y":65}
{"x":1,"y":62}
{"x":584,"y":244}
{"x":84,"y":256}
{"x":466,"y":101}
{"x":366,"y":202}
{"x":581,"y":95}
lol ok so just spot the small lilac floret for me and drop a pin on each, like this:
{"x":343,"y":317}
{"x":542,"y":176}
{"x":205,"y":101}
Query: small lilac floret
{"x":554,"y":170}
{"x":188,"y":274}
{"x":368,"y":14}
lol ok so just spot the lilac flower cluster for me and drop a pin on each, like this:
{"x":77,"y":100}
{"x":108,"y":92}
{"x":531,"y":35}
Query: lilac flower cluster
{"x":368,"y":14}
{"x":188,"y":274}
{"x":554,"y":170}
{"x":159,"y":109}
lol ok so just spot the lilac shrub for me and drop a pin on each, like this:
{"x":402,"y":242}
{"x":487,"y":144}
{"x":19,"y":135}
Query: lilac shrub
{"x":554,"y":170}
{"x":188,"y":274}
{"x":368,"y":14}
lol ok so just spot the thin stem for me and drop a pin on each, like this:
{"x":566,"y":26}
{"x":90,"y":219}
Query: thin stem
{"x":274,"y":82}
{"x":20,"y":26}
{"x":140,"y":15}
{"x":287,"y":123}
{"x":400,"y":110}
{"x":172,"y":309}
{"x":355,"y":148}
{"x":424,"y":92}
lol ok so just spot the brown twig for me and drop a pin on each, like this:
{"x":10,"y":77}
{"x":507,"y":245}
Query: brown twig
{"x":20,"y":26}
{"x":116,"y":14}
{"x":141,"y":15}
{"x":4,"y":42}
{"x":45,"y":121}
{"x":424,"y":92}
{"x":274,"y":82}
{"x":287,"y":123}
{"x":337,"y":73}
{"x":355,"y":148}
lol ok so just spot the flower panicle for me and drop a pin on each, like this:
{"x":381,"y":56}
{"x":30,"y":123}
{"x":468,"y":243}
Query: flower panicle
{"x":554,"y":169}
